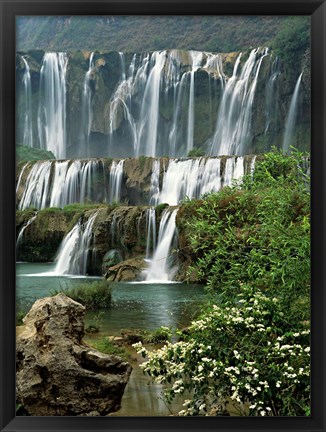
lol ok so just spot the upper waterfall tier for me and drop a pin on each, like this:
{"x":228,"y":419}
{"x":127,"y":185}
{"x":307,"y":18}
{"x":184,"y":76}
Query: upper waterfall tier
{"x":134,"y":181}
{"x":162,"y":103}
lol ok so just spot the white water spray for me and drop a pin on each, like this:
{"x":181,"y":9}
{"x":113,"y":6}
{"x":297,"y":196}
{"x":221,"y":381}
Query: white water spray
{"x":28,"y":125}
{"x":159,"y":269}
{"x":52,"y":108}
{"x":73,"y":252}
{"x":291,"y":118}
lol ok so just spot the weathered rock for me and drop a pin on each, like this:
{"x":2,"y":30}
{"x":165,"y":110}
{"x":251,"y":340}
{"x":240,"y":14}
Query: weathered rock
{"x":126,"y":271}
{"x":42,"y":237}
{"x":58,"y":374}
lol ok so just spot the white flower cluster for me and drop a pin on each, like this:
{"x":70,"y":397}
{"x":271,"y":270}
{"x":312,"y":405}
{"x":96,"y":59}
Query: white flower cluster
{"x":236,"y":355}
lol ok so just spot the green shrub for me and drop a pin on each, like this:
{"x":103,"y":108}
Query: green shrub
{"x":26,"y":153}
{"x":106,"y":346}
{"x":95,"y":295}
{"x":160,"y":208}
{"x":196,"y":152}
{"x":19,"y":318}
{"x":293,"y":39}
{"x":159,"y":335}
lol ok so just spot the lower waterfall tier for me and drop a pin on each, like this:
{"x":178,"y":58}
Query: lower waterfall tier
{"x":109,"y":240}
{"x":133,"y":181}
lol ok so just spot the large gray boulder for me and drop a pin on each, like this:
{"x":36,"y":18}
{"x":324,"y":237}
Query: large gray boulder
{"x":57,"y":374}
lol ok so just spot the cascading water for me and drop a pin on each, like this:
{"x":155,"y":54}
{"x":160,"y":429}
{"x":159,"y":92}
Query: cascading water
{"x":87,"y":105}
{"x":116,"y":175}
{"x":159,"y":269}
{"x":150,"y":213}
{"x":234,"y":115}
{"x":155,"y":183}
{"x":154,"y":105}
{"x":21,"y":233}
{"x":193,"y":178}
{"x":152,"y":79}
{"x":149,"y":114}
{"x":272,"y":94}
{"x":73,"y":252}
{"x":197,"y":58}
{"x":52,"y":107}
{"x":291,"y":118}
{"x":36,"y":187}
{"x":121,"y":103}
{"x":151,"y":232}
{"x":28,"y":125}
{"x":21,"y":176}
{"x":70,"y":183}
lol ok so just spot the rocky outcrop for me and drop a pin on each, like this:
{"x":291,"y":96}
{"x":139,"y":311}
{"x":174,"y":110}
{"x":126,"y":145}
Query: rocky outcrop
{"x":57,"y":373}
{"x":126,"y":271}
{"x":42,"y":234}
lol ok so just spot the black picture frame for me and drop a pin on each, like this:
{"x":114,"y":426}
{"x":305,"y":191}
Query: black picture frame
{"x":8,"y":10}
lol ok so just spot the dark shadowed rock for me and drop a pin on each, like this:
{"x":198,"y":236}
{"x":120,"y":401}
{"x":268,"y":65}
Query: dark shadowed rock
{"x":57,"y":373}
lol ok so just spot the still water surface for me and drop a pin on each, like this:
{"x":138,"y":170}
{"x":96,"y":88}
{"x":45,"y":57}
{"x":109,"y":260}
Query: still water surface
{"x":134,"y":306}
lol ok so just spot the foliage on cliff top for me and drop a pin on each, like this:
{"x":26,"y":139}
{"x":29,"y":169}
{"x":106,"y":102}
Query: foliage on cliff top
{"x":25,"y":153}
{"x":146,"y":33}
{"x":293,"y":39}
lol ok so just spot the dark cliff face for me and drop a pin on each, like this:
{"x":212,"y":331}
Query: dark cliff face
{"x":113,"y":110}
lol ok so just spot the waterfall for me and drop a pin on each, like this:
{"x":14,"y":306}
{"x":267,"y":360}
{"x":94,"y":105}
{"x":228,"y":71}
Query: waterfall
{"x":196,"y":62}
{"x":71,"y":182}
{"x":149,"y":113}
{"x":116,"y":175}
{"x":121,"y":103}
{"x":87,"y":105}
{"x":150,"y":213}
{"x":151,"y":231}
{"x":123,"y":66}
{"x":234,"y":115}
{"x":59,"y":182}
{"x":271,"y":94}
{"x":192,"y":178}
{"x":88,"y":173}
{"x":159,"y":269}
{"x":144,"y":88}
{"x":36,"y":187}
{"x":234,"y":170}
{"x":175,"y":129}
{"x":73,"y":252}
{"x":155,"y":183}
{"x":291,"y":118}
{"x":28,"y":125}
{"x":160,"y":103}
{"x":52,"y":106}
{"x":21,"y":233}
{"x":21,"y":176}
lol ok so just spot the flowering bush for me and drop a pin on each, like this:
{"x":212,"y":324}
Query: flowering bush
{"x":237,"y":353}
